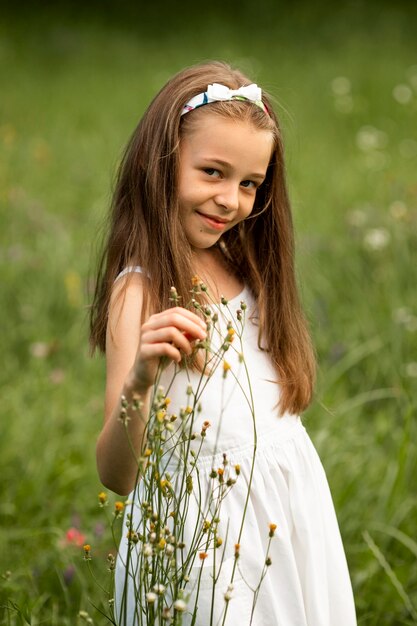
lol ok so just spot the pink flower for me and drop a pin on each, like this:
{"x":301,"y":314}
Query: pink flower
{"x":73,"y":537}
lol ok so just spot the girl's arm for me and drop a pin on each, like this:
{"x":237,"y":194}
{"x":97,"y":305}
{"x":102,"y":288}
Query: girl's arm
{"x":132,"y":357}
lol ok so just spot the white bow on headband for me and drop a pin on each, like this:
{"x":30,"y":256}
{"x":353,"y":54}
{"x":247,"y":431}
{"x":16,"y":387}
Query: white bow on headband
{"x":220,"y":93}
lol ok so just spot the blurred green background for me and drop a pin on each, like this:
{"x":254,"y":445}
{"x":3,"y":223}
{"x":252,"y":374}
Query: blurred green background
{"x":74,"y":80}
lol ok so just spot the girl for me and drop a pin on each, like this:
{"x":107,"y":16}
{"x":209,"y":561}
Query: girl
{"x":201,"y":192}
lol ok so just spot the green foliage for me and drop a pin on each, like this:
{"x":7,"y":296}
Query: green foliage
{"x":72,"y":90}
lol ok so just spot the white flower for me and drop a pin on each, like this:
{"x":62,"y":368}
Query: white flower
{"x":341,"y":85}
{"x":147,"y":549}
{"x":159,"y":588}
{"x":402,"y":315}
{"x":39,"y":349}
{"x":402,"y":94}
{"x":229,"y":593}
{"x":180,"y":605}
{"x":411,"y":369}
{"x":151,"y":597}
{"x":169,"y":550}
{"x":370,"y":138}
{"x":376,"y":238}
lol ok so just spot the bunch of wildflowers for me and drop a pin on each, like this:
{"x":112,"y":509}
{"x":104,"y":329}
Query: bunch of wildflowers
{"x":161,"y":555}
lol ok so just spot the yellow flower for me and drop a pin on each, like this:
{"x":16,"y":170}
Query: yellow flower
{"x":147,"y":452}
{"x":272,"y":529}
{"x":204,"y":427}
{"x":87,"y":550}
{"x":160,"y":415}
{"x":203,"y":555}
{"x":162,"y":543}
{"x":102,"y":497}
{"x":237,"y":469}
{"x":226,"y":368}
{"x":219,"y":542}
{"x":118,"y":507}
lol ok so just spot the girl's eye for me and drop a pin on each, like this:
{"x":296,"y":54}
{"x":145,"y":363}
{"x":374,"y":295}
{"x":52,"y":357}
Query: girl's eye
{"x":249,"y":184}
{"x":212,"y":172}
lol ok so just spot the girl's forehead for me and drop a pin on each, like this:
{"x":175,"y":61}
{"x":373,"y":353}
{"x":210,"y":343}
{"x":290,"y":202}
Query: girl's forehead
{"x":228,"y":138}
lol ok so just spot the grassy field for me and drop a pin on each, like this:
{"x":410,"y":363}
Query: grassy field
{"x":72,"y":89}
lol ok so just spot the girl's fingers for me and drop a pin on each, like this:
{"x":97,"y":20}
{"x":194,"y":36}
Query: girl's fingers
{"x":158,"y":350}
{"x":170,"y":335}
{"x":183,"y":320}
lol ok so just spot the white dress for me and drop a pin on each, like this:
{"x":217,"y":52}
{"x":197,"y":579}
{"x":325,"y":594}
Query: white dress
{"x":307,"y":583}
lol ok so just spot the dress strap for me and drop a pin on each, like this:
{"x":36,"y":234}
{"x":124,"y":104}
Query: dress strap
{"x":131,"y":268}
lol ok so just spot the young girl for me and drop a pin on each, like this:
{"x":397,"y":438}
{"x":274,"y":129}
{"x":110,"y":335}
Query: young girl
{"x":201,"y":192}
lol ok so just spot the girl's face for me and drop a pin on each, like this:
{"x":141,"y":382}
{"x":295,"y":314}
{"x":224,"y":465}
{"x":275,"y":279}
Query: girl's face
{"x":222,"y":163}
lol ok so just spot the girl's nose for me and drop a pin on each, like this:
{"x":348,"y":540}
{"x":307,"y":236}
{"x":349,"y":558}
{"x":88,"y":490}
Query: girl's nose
{"x":228,"y":196}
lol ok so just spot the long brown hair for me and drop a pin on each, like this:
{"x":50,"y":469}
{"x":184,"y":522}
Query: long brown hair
{"x":145,"y":228}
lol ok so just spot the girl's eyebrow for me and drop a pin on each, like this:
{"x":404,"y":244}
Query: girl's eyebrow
{"x":256,"y":175}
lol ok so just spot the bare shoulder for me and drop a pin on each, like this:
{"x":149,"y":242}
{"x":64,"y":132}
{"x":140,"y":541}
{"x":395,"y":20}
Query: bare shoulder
{"x":125,"y":309}
{"x":123,"y":333}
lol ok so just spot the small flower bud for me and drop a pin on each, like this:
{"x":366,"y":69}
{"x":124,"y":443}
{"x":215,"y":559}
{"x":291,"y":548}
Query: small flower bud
{"x":166,"y":614}
{"x":169,"y":550}
{"x":180,"y":606}
{"x":147,"y":549}
{"x":118,"y":508}
{"x":151,"y":597}
{"x":226,"y":368}
{"x":102,"y":498}
{"x":272,"y":529}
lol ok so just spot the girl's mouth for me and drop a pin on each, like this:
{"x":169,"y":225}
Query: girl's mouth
{"x":216,"y":223}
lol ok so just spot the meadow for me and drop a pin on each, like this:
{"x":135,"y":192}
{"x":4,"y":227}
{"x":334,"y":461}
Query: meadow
{"x":73,"y":86}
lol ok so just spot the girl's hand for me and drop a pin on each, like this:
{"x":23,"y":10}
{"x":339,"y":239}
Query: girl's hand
{"x":166,"y":334}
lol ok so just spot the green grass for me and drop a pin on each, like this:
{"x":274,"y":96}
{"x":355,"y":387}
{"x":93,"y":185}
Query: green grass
{"x":73,"y":89}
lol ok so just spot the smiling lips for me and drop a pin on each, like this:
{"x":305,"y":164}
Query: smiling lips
{"x":215,"y":222}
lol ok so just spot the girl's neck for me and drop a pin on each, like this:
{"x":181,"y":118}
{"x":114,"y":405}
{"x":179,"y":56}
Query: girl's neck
{"x":212,"y":268}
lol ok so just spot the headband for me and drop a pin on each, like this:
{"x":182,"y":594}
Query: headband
{"x":221,"y":93}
